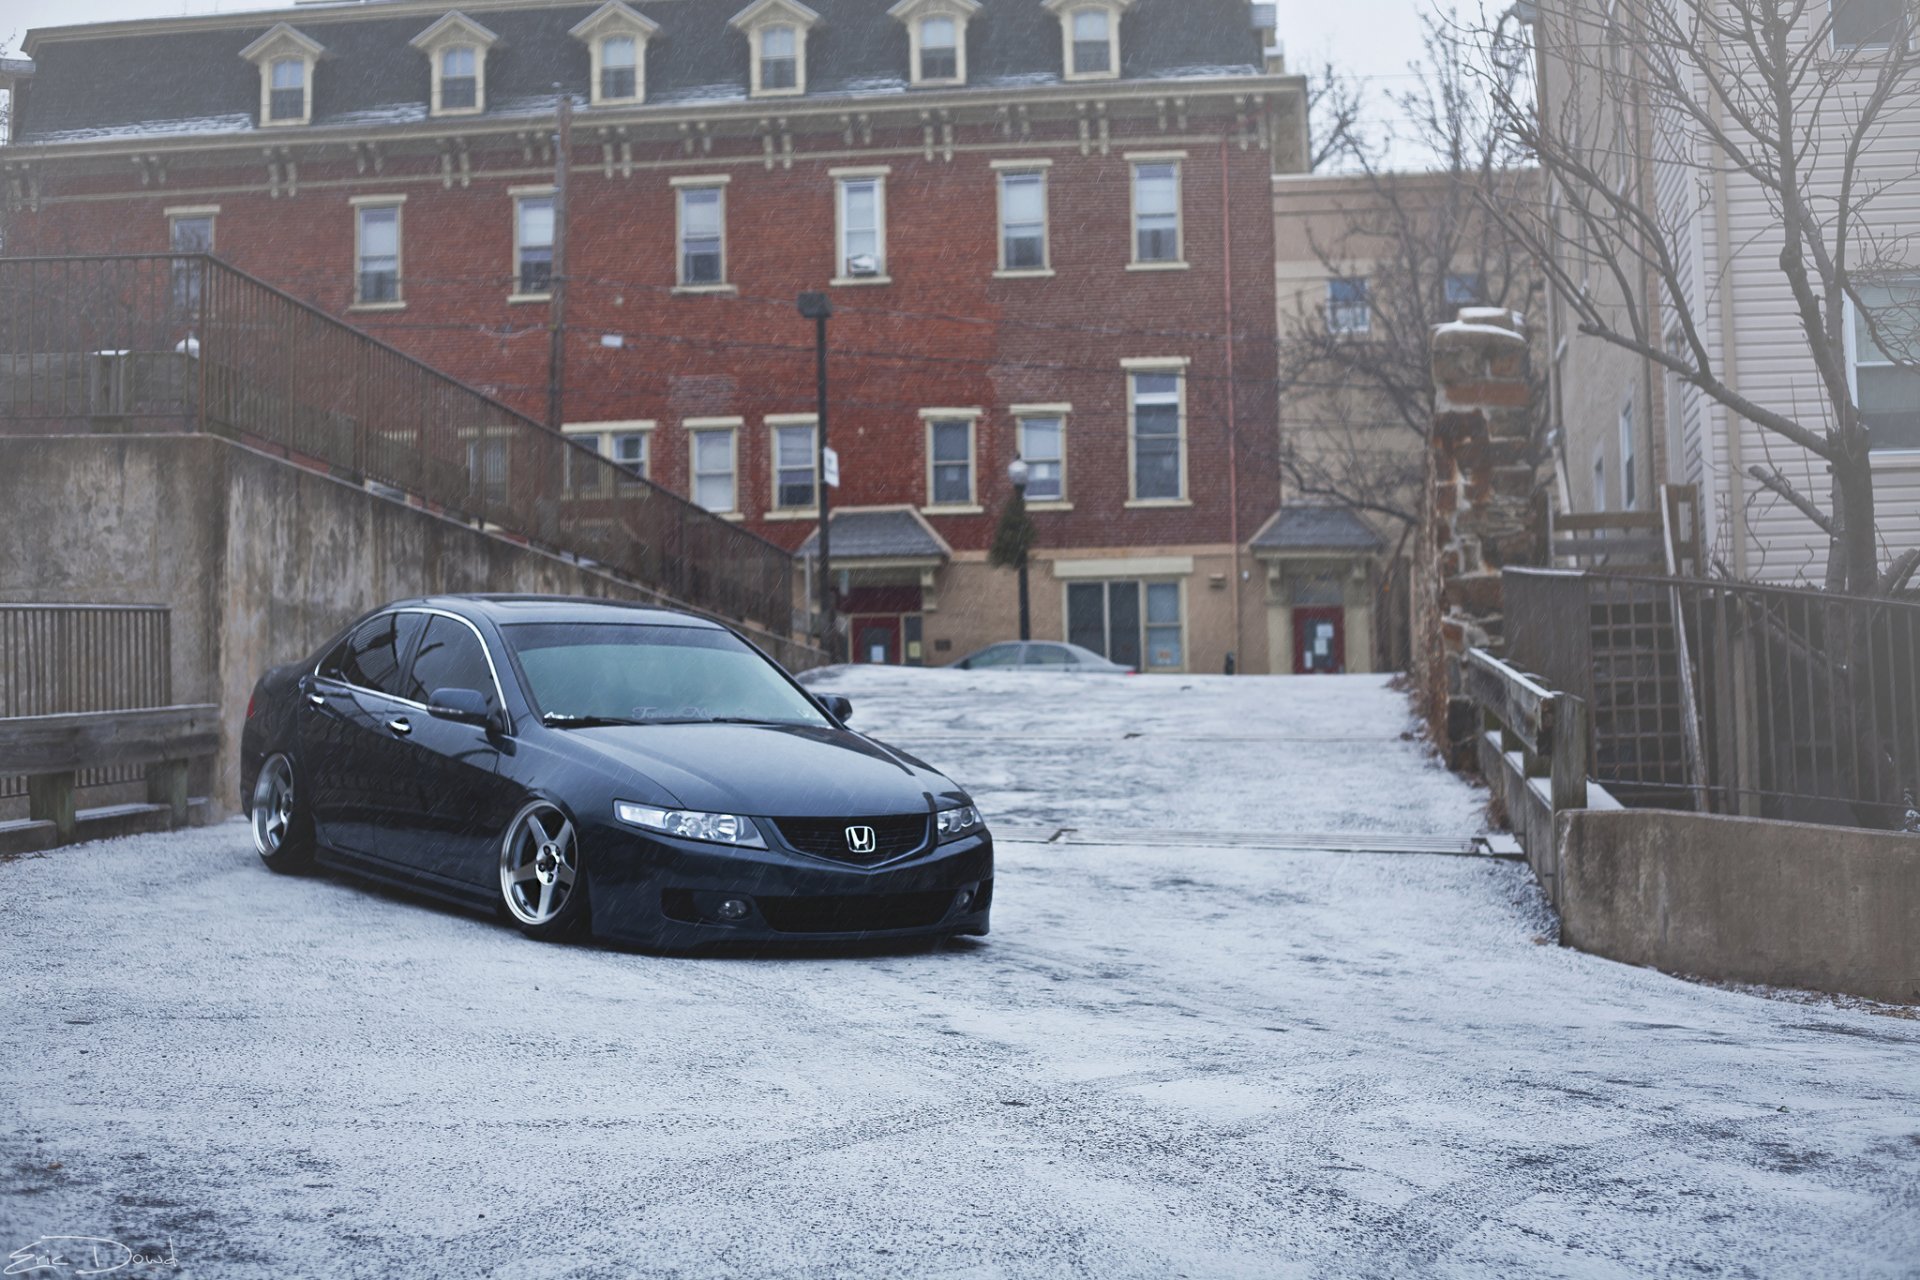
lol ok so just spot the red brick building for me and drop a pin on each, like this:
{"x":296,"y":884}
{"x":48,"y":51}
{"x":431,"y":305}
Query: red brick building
{"x":1046,"y":227}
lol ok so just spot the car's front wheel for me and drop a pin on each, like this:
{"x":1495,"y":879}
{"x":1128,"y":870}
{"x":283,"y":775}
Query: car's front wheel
{"x":542,"y":883}
{"x":282,"y":827}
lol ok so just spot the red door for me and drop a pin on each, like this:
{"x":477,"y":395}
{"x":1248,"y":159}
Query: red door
{"x":1319,"y":642}
{"x":876,"y":641}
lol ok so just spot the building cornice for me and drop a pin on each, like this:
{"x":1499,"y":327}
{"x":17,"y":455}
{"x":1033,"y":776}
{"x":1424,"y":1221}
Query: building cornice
{"x":1092,"y":105}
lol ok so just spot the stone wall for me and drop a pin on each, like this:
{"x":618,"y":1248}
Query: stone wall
{"x":1481,"y":479}
{"x":260,"y":560}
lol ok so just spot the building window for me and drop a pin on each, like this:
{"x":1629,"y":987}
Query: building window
{"x":377,"y":253}
{"x":1043,"y":446}
{"x":1158,"y":411}
{"x":459,"y":79}
{"x":1093,"y":42}
{"x":1867,"y":24}
{"x":1887,"y":390}
{"x":1134,"y":623}
{"x":949,"y":460}
{"x":862,"y":213}
{"x":533,"y":246}
{"x":627,"y":445}
{"x":703,"y":236}
{"x":288,"y":101}
{"x":1349,"y":306}
{"x":714,"y":469}
{"x":1629,"y":478}
{"x":795,"y":460}
{"x":939,"y":49}
{"x":189,"y":231}
{"x":1156,"y":213}
{"x":1023,"y":221}
{"x":1464,"y":291}
{"x":487,"y":468}
{"x":779,"y":59}
{"x":619,"y":69}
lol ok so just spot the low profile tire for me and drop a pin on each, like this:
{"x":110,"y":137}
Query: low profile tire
{"x":282,"y":826}
{"x":542,"y":883}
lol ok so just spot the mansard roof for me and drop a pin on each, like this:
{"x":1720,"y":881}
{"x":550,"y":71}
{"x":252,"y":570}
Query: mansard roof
{"x":184,"y":76}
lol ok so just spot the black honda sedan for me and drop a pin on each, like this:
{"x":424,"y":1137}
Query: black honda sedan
{"x":584,"y":765}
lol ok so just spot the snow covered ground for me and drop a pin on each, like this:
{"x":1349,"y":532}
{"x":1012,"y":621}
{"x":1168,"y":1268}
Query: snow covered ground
{"x":1172,"y":1058}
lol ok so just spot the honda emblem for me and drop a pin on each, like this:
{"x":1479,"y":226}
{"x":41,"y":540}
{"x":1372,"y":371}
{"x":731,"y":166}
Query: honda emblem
{"x":862,"y":840}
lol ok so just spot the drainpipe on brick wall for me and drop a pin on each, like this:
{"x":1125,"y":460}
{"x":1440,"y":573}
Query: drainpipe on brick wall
{"x":1233,"y":422}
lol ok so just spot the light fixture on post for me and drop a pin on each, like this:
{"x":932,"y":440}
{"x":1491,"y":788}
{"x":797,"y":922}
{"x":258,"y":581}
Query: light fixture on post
{"x":818,"y":307}
{"x":1019,"y":473}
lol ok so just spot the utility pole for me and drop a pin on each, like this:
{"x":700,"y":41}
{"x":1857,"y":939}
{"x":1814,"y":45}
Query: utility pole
{"x":818,"y":308}
{"x":557,"y":309}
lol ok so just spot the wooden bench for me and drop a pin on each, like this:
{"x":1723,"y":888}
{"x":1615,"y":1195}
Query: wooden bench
{"x":52,"y":750}
{"x":1535,"y":753}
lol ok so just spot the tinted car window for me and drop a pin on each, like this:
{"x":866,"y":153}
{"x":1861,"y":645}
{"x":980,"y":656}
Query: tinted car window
{"x":1049,"y":655}
{"x":374,"y":654}
{"x":999,"y":655}
{"x":643,"y":672}
{"x":450,"y":657}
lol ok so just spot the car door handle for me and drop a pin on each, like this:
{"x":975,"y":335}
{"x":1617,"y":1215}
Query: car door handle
{"x":317,"y":699}
{"x":400,"y":725}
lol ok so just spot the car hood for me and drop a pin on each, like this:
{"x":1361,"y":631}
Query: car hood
{"x":774,"y":771}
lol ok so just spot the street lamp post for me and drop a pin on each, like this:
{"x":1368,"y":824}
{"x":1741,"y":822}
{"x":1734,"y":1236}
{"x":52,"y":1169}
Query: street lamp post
{"x":1018,"y":472}
{"x":818,"y":307}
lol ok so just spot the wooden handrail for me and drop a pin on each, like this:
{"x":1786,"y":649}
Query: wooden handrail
{"x":37,"y":745}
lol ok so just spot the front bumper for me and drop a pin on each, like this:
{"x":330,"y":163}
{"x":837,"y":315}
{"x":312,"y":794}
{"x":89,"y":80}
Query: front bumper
{"x":661,"y":893}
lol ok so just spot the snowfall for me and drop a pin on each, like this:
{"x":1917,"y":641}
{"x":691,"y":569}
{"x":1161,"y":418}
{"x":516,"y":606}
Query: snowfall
{"x":1209,"y":1036}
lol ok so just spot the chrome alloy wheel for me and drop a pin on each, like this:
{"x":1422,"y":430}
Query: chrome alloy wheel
{"x":273,"y":806}
{"x":539,"y":864}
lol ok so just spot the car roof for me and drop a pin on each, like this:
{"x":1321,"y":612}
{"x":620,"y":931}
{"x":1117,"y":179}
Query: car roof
{"x":505,"y":610}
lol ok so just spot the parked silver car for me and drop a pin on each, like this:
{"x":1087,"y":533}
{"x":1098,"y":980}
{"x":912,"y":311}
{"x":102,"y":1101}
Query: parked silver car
{"x":1041,"y":655}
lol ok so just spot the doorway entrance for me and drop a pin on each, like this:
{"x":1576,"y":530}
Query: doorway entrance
{"x":1319,"y":642}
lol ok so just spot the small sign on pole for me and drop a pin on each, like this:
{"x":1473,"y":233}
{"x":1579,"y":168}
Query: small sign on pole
{"x":831,"y":464}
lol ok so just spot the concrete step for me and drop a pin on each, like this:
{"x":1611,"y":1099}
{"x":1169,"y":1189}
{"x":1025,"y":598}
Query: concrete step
{"x":105,"y":822}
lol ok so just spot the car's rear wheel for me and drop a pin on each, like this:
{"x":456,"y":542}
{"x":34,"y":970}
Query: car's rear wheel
{"x":542,"y":883}
{"x":282,"y":828}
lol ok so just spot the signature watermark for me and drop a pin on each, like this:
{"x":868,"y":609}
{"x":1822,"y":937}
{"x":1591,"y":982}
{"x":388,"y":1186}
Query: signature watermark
{"x":84,"y":1256}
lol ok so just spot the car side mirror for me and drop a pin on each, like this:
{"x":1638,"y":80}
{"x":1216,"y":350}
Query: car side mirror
{"x":462,"y":706}
{"x":837,"y":707}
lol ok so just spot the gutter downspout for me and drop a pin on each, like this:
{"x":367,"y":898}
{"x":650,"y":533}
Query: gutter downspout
{"x":1233,"y":421}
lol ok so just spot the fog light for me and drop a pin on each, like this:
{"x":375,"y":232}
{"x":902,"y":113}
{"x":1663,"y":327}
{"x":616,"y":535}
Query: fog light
{"x":731,"y":909}
{"x":966,"y":899}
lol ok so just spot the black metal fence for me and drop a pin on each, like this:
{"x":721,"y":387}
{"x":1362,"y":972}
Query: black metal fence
{"x":158,"y":343}
{"x":57,"y":659}
{"x":1732,"y":697}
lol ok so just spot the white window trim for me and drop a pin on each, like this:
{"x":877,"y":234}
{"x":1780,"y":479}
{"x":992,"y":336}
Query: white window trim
{"x":518,"y":194}
{"x":456,"y":31}
{"x":599,"y":437}
{"x":1839,"y":50}
{"x":703,"y":182}
{"x":1065,"y":10}
{"x":1063,"y":413}
{"x":753,"y":22}
{"x":877,"y":174}
{"x":912,"y":13}
{"x":614,"y":20}
{"x":398,"y":203}
{"x":1005,"y":169}
{"x":1178,"y":160}
{"x":1851,"y":343}
{"x":929,"y":418}
{"x":695,"y":428}
{"x":773,"y":423}
{"x":280,"y":44}
{"x":1179,"y":366}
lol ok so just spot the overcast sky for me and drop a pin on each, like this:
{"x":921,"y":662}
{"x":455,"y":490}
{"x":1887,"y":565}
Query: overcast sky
{"x":1371,"y":38}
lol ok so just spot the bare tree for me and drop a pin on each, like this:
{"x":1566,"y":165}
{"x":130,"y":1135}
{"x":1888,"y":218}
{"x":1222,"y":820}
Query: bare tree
{"x":1335,"y":105}
{"x":1759,"y":92}
{"x":1407,"y":251}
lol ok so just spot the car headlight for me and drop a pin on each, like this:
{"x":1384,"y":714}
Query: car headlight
{"x":714,"y":828}
{"x":958,"y":824}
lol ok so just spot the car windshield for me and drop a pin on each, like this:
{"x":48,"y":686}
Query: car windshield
{"x":626,"y":673}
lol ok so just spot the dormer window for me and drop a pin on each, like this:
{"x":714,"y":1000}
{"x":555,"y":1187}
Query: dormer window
{"x":776,"y":32}
{"x":617,"y":38}
{"x":1090,"y":32}
{"x":286,"y":60}
{"x":936,"y":38}
{"x":456,"y":48}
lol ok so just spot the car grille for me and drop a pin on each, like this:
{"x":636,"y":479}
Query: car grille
{"x":894,"y":837}
{"x":867,"y":914}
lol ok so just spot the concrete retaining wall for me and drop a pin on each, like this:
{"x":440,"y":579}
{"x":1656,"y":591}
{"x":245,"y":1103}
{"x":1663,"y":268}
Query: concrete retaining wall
{"x":260,"y":560}
{"x":1745,"y":900}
